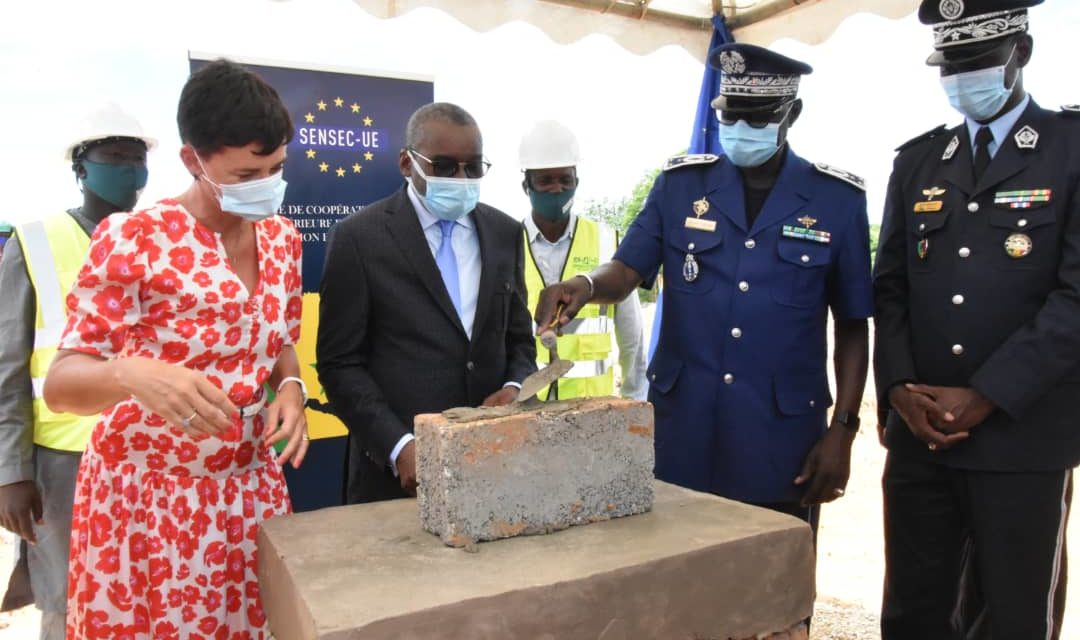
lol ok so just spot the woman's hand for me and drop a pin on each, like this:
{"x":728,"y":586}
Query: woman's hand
{"x":184,"y":397}
{"x":285,"y":419}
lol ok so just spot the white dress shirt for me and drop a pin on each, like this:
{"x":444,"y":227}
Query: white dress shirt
{"x":550,"y":257}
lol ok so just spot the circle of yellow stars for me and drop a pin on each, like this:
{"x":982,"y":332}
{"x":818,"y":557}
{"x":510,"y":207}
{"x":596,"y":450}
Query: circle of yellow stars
{"x":324,"y":167}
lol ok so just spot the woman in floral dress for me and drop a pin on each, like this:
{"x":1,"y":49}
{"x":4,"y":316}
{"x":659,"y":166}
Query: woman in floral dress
{"x":180,"y":316}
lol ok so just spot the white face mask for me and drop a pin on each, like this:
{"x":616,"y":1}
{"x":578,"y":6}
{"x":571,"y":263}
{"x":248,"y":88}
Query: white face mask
{"x":253,"y":200}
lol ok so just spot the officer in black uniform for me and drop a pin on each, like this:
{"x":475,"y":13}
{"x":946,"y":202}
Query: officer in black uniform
{"x":977,"y":316}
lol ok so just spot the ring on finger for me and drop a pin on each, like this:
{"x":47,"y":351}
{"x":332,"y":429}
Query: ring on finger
{"x":305,"y":437}
{"x":931,"y":446}
{"x":187,"y":421}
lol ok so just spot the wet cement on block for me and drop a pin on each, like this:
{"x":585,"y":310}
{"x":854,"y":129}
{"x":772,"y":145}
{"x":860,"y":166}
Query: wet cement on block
{"x":696,"y":567}
{"x":495,"y":473}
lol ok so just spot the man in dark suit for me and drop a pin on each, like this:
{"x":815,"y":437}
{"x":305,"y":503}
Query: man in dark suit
{"x":423,"y":304}
{"x":977,"y":312}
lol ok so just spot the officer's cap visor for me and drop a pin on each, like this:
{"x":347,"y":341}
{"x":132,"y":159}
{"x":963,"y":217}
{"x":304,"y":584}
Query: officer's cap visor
{"x":965,"y":55}
{"x":744,"y":104}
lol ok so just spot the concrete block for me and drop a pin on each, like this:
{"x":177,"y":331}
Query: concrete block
{"x":696,"y":567}
{"x":490,"y":474}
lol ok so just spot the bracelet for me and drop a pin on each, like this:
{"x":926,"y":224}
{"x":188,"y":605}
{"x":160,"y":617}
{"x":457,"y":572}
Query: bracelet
{"x":303,"y":387}
{"x":592,"y":286}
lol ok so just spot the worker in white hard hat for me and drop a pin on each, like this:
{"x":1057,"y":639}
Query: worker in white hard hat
{"x":561,"y":245}
{"x":40,"y":450}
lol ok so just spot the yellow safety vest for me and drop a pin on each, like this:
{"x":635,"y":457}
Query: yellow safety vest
{"x":54,"y":249}
{"x":587,"y":340}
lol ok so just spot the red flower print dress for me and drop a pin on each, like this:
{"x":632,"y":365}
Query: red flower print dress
{"x":163,"y":533}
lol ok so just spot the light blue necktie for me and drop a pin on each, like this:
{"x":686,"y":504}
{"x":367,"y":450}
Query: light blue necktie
{"x":447,"y":263}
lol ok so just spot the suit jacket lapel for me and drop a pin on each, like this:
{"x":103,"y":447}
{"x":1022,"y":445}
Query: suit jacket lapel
{"x":958,"y":169}
{"x":786,"y":196}
{"x":404,"y":227}
{"x":725,"y":192}
{"x":1010,"y":159}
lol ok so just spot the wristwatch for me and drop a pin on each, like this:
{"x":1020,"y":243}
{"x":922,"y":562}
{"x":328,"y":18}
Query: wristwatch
{"x":846,"y":419}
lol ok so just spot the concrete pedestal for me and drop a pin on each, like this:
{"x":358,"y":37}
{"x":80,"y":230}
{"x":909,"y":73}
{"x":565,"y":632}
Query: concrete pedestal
{"x":696,"y":567}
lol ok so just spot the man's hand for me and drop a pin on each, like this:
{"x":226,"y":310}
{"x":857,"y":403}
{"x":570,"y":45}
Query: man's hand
{"x":921,"y":412}
{"x":20,"y":508}
{"x":406,"y":468}
{"x":572,"y":294}
{"x":827,"y":467}
{"x":965,"y":407}
{"x":506,"y":395}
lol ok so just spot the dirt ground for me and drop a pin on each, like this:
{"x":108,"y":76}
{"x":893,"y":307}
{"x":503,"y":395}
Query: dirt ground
{"x":850,"y":553}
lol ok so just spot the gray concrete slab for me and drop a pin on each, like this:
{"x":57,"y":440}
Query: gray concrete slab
{"x":695,"y":567}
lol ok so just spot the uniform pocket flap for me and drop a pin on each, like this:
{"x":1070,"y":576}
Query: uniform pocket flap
{"x":1021,"y":219}
{"x":664,"y":373}
{"x":929,"y":222}
{"x":802,"y":252}
{"x":691,"y":241}
{"x":802,"y":395}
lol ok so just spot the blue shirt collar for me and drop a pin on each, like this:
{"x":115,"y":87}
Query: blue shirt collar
{"x":1000,"y":127}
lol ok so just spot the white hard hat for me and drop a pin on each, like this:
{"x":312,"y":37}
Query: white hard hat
{"x":549,"y":144}
{"x":107,"y":121}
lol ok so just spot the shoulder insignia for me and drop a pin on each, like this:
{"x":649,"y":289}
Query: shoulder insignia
{"x":1070,"y":110}
{"x":686,"y":160}
{"x":933,"y":133}
{"x":840,"y":174}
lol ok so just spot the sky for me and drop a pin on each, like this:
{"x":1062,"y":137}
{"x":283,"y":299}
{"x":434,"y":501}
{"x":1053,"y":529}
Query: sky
{"x":58,"y":59}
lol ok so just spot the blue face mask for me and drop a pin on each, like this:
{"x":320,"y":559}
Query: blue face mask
{"x":747,"y":146}
{"x":980,"y":94}
{"x":253,"y":200}
{"x":117,"y":184}
{"x":449,"y":198}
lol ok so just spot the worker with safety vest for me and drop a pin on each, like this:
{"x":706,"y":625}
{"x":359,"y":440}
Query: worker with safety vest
{"x":560,"y":245}
{"x":40,"y":450}
{"x":5,"y":233}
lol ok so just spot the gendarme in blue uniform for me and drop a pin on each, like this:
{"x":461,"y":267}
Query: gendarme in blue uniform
{"x":739,"y":376}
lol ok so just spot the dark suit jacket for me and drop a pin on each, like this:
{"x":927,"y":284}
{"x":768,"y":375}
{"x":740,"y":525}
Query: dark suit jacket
{"x":390,"y":344}
{"x":953,"y":308}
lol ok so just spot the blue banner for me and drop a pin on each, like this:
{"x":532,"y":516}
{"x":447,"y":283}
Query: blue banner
{"x":343,"y":156}
{"x":705,"y":138}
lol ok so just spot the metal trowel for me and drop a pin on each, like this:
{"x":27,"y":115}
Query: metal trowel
{"x":536,"y":382}
{"x":555,"y":369}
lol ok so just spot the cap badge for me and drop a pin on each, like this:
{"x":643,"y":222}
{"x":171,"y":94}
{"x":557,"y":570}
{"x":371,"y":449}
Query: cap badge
{"x":951,"y":9}
{"x":732,"y":62}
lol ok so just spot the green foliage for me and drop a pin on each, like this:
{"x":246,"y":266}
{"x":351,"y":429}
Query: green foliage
{"x":619,"y":214}
{"x":875,"y":231}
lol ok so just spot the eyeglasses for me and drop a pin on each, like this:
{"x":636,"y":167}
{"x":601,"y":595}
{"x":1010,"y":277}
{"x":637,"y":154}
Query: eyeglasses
{"x":758,"y":119}
{"x":448,"y":167}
